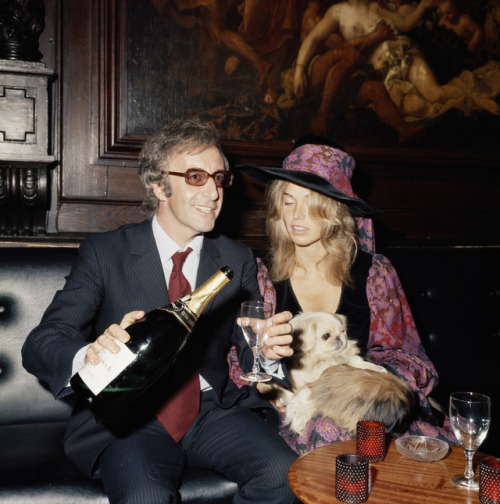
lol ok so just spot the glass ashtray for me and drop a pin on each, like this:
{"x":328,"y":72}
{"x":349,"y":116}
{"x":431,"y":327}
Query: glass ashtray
{"x":422,"y":448}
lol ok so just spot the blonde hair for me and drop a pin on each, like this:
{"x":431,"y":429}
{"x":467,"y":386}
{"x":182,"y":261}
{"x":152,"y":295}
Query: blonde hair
{"x":338,"y":235}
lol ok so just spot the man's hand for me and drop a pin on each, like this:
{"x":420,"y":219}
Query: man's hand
{"x":112,"y":333}
{"x":279,"y":337}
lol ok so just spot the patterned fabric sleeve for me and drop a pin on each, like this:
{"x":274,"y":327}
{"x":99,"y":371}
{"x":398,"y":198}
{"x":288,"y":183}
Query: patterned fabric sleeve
{"x":394,"y":343}
{"x":394,"y":340}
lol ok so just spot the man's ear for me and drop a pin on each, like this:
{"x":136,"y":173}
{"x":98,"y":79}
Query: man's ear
{"x":159,"y":191}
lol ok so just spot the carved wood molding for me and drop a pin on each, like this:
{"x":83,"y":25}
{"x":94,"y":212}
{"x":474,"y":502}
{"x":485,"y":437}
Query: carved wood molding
{"x":24,"y":200}
{"x":21,"y":23}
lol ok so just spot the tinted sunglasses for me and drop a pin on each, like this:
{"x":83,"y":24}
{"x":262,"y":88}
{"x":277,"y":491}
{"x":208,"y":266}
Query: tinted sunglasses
{"x":198,"y":177}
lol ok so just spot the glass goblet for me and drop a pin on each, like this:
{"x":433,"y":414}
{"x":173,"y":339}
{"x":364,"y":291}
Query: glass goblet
{"x":470,"y":417}
{"x":254,"y":323}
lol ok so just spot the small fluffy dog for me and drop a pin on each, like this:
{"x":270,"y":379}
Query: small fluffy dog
{"x":329,"y":375}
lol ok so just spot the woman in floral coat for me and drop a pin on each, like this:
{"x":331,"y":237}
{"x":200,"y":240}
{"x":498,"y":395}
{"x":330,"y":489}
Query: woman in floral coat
{"x":323,"y":259}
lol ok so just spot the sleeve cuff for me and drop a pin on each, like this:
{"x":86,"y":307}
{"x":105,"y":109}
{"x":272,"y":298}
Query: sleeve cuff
{"x":272,"y":367}
{"x":78,"y":361}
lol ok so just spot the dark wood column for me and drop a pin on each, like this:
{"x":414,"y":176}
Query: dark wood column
{"x":24,"y":199}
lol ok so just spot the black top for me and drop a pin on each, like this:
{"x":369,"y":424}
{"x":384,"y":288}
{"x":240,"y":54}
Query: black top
{"x":353,"y":301}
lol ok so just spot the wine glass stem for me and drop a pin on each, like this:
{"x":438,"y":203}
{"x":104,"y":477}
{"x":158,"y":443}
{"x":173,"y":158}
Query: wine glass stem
{"x":256,"y":361}
{"x":469,"y":472}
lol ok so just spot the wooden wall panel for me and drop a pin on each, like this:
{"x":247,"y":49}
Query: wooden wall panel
{"x":81,"y":219}
{"x":124,"y":184}
{"x":445,"y":200}
{"x":81,"y":177}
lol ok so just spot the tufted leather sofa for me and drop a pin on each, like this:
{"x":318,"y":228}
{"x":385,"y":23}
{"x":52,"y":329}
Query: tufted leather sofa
{"x":455,"y":299}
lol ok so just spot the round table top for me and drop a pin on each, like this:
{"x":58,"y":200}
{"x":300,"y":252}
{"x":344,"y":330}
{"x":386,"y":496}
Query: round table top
{"x":394,"y":480}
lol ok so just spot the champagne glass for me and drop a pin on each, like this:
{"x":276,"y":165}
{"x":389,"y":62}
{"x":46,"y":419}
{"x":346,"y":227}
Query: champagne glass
{"x":255,"y":321}
{"x":470,"y":416}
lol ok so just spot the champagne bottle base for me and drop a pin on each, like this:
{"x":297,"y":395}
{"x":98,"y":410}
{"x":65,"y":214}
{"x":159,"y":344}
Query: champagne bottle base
{"x":111,"y":402}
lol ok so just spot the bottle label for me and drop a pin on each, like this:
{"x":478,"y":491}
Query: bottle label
{"x":110,"y":366}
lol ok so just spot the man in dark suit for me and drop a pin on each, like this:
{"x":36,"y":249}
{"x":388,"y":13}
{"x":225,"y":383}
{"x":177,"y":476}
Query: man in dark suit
{"x":120,"y":275}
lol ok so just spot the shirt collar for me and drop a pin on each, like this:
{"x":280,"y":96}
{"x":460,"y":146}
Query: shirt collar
{"x":168,"y":247}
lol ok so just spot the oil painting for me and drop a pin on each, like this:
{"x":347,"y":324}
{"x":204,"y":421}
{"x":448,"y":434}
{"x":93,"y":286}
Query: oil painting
{"x":377,"y":74}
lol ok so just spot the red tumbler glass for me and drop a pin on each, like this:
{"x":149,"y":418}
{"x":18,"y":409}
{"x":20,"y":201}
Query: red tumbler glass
{"x":489,"y":480}
{"x":370,"y":440}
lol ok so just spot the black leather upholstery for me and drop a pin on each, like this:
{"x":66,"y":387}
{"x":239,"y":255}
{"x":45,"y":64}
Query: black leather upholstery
{"x":455,"y":300}
{"x":454,"y":296}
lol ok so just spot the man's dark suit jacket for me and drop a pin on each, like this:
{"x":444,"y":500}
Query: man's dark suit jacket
{"x":120,"y":271}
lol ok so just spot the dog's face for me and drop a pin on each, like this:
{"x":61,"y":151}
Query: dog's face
{"x":320,"y":334}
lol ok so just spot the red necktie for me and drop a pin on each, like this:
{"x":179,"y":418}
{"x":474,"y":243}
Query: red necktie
{"x":178,"y":413}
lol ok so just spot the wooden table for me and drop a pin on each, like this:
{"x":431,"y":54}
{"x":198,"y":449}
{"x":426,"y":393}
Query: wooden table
{"x":396,"y":480}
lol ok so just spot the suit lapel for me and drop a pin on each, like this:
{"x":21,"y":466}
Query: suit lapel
{"x":210,"y":262}
{"x":147,"y":264}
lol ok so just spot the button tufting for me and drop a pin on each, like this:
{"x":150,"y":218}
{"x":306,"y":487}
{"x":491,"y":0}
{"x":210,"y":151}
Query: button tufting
{"x":5,"y":308}
{"x":433,"y":337}
{"x":5,"y":369}
{"x":427,"y":293}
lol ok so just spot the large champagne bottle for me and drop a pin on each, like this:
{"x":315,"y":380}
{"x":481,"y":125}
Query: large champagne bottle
{"x":155,"y":343}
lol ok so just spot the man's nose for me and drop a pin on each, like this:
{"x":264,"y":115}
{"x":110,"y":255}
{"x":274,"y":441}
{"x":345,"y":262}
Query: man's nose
{"x":210,"y":189}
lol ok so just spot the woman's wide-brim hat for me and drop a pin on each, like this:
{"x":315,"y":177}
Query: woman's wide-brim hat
{"x":321,"y":168}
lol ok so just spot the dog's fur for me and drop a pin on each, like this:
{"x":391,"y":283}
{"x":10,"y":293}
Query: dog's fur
{"x":328,"y":375}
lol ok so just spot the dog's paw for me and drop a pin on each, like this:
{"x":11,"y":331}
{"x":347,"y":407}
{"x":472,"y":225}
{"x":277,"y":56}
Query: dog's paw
{"x":299,"y":410}
{"x":297,"y":421}
{"x":361,"y":363}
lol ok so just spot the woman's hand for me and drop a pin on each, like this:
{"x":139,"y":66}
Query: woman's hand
{"x":279,"y":337}
{"x":108,"y":338}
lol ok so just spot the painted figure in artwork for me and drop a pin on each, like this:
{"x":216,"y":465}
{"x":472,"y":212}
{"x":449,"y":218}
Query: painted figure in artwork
{"x":395,"y":58}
